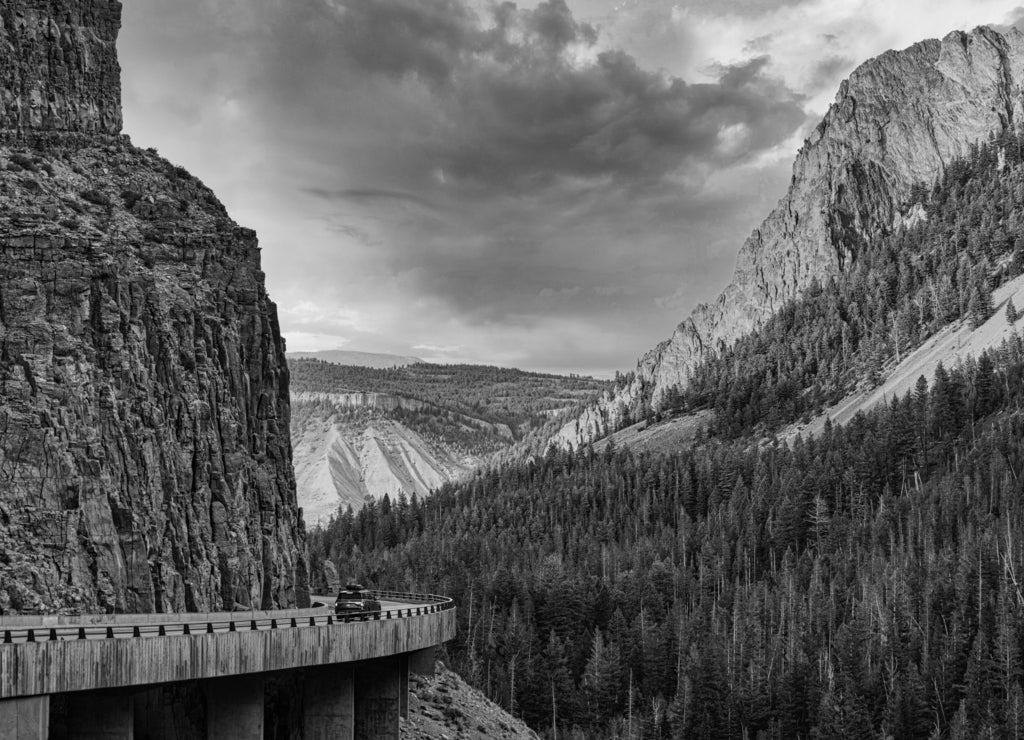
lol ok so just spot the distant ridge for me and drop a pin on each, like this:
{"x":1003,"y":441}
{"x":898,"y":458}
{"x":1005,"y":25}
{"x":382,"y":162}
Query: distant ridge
{"x":359,"y":359}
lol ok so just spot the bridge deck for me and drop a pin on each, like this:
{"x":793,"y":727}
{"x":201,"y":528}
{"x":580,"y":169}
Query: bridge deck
{"x":66,"y":654}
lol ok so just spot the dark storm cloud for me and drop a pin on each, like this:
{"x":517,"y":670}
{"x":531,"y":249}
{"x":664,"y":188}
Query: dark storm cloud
{"x":426,"y":169}
{"x":519,"y":98}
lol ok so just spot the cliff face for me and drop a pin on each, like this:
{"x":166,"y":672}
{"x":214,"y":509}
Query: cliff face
{"x":897,"y":121}
{"x":145,"y":458}
{"x":60,"y":69}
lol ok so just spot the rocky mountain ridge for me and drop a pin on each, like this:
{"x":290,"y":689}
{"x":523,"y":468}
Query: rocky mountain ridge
{"x":145,"y":459}
{"x":897,"y":121}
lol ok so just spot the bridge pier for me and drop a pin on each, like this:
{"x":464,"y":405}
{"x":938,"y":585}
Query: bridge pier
{"x":378,"y":699}
{"x":403,"y":685}
{"x":421,"y":662}
{"x":26,"y":718}
{"x":101,"y":715}
{"x":328,"y":711}
{"x":234,"y":707}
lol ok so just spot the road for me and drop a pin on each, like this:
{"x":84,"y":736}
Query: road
{"x":321,"y":614}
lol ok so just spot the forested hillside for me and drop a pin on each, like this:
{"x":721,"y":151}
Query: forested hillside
{"x":861,"y":584}
{"x":864,"y":584}
{"x":494,"y":394}
{"x":963,"y":238}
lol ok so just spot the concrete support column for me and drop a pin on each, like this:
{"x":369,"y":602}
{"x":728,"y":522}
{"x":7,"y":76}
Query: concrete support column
{"x":170,"y":712}
{"x":25,"y":718}
{"x":234,"y":708}
{"x":378,"y":699}
{"x":421,"y":662}
{"x":328,"y":710}
{"x":403,"y":687}
{"x":101,"y":715}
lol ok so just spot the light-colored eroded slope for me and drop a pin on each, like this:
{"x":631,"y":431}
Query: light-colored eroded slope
{"x":340,"y":460}
{"x":670,"y":435}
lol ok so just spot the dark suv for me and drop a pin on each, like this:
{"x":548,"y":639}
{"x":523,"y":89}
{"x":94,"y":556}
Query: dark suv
{"x":354,"y":599}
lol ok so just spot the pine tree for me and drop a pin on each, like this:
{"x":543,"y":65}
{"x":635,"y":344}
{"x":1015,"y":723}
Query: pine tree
{"x":979,"y":306}
{"x":1011,"y":312}
{"x":601,"y":677}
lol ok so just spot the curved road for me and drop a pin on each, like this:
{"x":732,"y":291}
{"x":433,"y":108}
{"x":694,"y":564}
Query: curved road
{"x":320,"y":614}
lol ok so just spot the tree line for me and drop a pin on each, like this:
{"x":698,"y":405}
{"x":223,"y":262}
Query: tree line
{"x":865,"y":583}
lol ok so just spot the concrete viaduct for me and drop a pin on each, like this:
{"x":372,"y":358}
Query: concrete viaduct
{"x":107,"y":677}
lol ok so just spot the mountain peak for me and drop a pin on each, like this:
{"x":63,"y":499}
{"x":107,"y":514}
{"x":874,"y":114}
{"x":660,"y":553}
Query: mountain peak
{"x":897,"y":121}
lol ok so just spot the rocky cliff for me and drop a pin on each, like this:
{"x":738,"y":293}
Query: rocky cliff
{"x":895,"y":122}
{"x":145,"y":459}
{"x":60,"y":70}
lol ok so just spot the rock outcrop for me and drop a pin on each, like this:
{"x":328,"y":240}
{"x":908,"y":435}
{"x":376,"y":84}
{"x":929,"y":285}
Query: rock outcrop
{"x":897,"y":121}
{"x":145,"y":458}
{"x":444,"y":707}
{"x":60,"y":70}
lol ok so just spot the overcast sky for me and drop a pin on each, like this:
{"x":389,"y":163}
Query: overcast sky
{"x":549,"y":185}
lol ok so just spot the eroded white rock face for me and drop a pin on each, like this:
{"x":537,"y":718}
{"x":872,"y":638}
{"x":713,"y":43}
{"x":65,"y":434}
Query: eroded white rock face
{"x":354,"y":450}
{"x":897,"y":121}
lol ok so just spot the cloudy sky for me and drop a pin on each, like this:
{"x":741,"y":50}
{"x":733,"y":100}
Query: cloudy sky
{"x":549,"y":185}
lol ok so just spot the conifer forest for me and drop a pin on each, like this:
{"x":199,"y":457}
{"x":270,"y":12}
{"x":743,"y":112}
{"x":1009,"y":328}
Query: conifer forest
{"x":867,"y":582}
